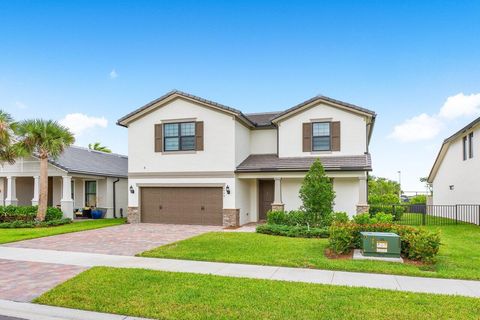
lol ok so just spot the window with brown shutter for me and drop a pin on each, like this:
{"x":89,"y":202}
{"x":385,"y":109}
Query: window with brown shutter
{"x":158,"y":138}
{"x":307,"y":136}
{"x":335,"y":127}
{"x":199,"y":135}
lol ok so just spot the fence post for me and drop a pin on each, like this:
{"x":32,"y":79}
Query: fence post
{"x":479,"y":215}
{"x":456,"y":214}
{"x":424,"y":215}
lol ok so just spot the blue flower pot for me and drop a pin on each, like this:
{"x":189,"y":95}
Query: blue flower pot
{"x":96,"y":214}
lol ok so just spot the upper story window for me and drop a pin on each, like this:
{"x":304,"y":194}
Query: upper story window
{"x":470,"y":145}
{"x":179,"y":136}
{"x":321,"y":136}
{"x":464,"y":148}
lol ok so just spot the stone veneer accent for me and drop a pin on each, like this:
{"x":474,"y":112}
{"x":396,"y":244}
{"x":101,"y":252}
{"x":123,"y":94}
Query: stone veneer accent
{"x":231,"y":217}
{"x":361,"y":208}
{"x":278,"y":207}
{"x":133,"y":215}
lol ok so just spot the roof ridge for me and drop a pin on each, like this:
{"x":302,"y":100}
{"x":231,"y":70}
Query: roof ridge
{"x":98,"y":151}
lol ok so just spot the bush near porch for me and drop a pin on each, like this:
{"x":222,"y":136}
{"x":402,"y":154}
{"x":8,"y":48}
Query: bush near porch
{"x":25,"y":217}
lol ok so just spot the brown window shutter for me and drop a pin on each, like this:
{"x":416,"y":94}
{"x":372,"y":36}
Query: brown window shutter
{"x":335,"y":135}
{"x":199,"y":135}
{"x":307,"y":136}
{"x":158,"y":138}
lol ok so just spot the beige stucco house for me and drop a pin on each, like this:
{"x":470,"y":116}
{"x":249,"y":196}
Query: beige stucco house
{"x":78,"y":178}
{"x":195,"y":161}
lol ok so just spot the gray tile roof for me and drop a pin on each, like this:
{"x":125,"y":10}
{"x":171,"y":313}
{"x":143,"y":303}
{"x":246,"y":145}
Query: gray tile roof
{"x":256,"y":119}
{"x":263,"y":119}
{"x":85,"y":161}
{"x":271,"y":162}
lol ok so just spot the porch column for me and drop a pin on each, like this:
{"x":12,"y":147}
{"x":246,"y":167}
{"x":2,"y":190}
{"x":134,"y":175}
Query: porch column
{"x":67,"y":202}
{"x":36,"y":190}
{"x":362,"y":205}
{"x":11,"y":198}
{"x":2,"y":191}
{"x":277,"y":204}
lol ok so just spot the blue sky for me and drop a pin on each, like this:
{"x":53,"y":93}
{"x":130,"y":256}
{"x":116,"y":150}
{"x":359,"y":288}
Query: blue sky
{"x":102,"y":59}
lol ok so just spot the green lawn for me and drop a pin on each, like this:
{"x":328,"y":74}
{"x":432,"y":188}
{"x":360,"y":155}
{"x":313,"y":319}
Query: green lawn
{"x":11,"y":235}
{"x":168,"y":295}
{"x":459,"y":255}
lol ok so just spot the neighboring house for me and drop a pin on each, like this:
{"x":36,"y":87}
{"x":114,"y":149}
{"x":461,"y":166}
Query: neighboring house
{"x":195,"y":161}
{"x":455,"y":173}
{"x":78,"y":178}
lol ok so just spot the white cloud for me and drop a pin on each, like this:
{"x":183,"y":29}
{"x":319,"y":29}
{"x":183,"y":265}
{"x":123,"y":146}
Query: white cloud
{"x":460,"y":105}
{"x":113,"y":74}
{"x":79,"y":122}
{"x":421,"y":127}
{"x":20,"y":105}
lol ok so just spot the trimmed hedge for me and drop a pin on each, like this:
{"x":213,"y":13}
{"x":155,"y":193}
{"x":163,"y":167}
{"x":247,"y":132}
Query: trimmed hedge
{"x":34,"y":224}
{"x":10,"y":214}
{"x":417,"y":244}
{"x":293,"y":231}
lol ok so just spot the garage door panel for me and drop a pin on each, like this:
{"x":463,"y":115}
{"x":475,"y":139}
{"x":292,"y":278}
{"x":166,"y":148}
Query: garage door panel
{"x":182,"y":205}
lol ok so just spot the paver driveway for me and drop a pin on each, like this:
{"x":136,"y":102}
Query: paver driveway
{"x":127,"y":239}
{"x":23,"y":281}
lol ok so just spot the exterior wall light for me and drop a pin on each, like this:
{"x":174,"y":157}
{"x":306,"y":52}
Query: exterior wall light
{"x":451,"y":187}
{"x":132,"y":191}
{"x":227,"y":189}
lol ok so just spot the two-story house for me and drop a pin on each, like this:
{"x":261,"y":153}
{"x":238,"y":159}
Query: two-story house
{"x":455,"y":173}
{"x":195,"y":161}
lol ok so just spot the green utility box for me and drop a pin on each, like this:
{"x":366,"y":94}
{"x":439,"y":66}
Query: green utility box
{"x":381,"y":244}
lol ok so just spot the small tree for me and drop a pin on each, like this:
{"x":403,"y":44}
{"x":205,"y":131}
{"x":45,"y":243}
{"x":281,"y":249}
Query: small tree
{"x":317,"y":194}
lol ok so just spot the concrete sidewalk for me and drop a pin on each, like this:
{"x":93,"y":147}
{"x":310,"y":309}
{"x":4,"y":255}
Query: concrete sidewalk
{"x":30,"y":311}
{"x":380,"y":281}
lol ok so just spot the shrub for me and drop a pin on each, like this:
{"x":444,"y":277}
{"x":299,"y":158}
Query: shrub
{"x":396,"y":210}
{"x":423,"y":245}
{"x":417,"y":244}
{"x":382,"y":217}
{"x":34,"y":224}
{"x":290,"y":218}
{"x":362,"y":218}
{"x":53,"y":214}
{"x":340,"y":239}
{"x":317,"y":194}
{"x":27,"y":213}
{"x":340,"y":217}
{"x":16,"y":213}
{"x":293,"y":231}
{"x":418,"y":199}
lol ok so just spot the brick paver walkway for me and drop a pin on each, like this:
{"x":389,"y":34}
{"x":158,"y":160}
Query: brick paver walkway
{"x":24,"y":281}
{"x":127,"y":239}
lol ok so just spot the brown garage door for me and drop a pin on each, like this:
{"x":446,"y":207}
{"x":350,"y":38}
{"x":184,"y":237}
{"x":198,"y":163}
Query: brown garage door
{"x":182,"y":205}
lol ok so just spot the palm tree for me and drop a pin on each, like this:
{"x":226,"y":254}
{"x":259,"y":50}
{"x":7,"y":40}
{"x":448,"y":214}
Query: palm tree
{"x":44,"y":139}
{"x":98,"y":147}
{"x":8,"y":149}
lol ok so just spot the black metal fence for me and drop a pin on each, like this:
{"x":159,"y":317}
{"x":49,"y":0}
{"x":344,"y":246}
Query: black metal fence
{"x":421,"y":214}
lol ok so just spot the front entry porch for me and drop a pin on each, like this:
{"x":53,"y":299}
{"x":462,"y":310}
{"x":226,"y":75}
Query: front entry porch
{"x":68,"y":192}
{"x":262,"y":192}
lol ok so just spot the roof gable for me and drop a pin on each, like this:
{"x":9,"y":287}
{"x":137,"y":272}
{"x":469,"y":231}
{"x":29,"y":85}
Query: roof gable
{"x":323,"y":99}
{"x":176,"y":94}
{"x":445,"y":145}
